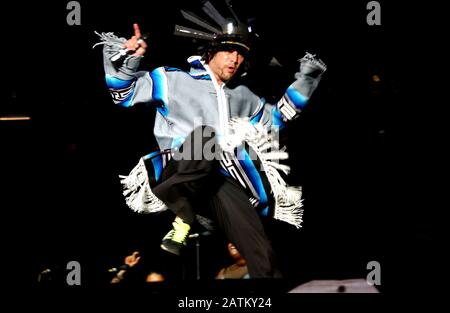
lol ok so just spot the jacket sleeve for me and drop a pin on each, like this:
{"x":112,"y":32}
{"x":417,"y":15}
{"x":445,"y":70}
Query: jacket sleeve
{"x":296,"y":96}
{"x":129,"y":86}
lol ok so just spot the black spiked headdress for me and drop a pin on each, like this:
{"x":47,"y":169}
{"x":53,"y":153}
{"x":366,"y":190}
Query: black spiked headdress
{"x":230,"y":33}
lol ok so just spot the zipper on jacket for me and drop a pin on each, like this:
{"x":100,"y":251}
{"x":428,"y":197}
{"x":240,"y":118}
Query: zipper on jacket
{"x":222,"y":104}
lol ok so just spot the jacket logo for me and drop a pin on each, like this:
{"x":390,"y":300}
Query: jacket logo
{"x":119,"y":95}
{"x":287,"y":109}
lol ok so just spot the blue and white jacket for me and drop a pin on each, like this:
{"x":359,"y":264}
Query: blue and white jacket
{"x":185,"y":100}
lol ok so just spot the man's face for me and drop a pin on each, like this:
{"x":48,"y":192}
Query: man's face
{"x":224,"y":64}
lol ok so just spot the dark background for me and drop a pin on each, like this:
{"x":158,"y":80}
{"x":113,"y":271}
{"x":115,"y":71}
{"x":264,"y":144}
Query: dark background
{"x":356,"y":149}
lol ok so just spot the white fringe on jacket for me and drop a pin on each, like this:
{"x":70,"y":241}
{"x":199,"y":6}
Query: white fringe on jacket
{"x":138,"y":194}
{"x":110,"y":39}
{"x":288,"y":199}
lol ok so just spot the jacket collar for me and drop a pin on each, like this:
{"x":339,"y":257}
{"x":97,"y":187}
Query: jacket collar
{"x":198,"y":69}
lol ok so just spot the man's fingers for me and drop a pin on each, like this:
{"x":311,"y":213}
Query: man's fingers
{"x":136,"y":43}
{"x":142,"y":43}
{"x":137,"y":31}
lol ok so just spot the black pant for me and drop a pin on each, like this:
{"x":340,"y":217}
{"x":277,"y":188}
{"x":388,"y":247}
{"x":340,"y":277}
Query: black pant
{"x":189,"y":186}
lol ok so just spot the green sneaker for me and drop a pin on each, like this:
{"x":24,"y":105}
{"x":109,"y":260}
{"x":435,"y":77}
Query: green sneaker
{"x":176,"y":238}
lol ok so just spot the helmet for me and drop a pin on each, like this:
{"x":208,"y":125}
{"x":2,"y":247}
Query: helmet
{"x":232,"y":34}
{"x":236,"y":37}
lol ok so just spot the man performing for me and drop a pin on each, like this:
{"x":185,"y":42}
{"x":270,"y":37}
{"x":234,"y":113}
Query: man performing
{"x":213,"y":139}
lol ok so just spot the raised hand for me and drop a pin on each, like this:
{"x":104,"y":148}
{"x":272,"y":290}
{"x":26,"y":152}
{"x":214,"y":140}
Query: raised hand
{"x":132,"y":259}
{"x":136,"y":43}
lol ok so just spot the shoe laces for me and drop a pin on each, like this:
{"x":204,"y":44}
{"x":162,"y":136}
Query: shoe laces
{"x":181,"y":230}
{"x":169,"y":235}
